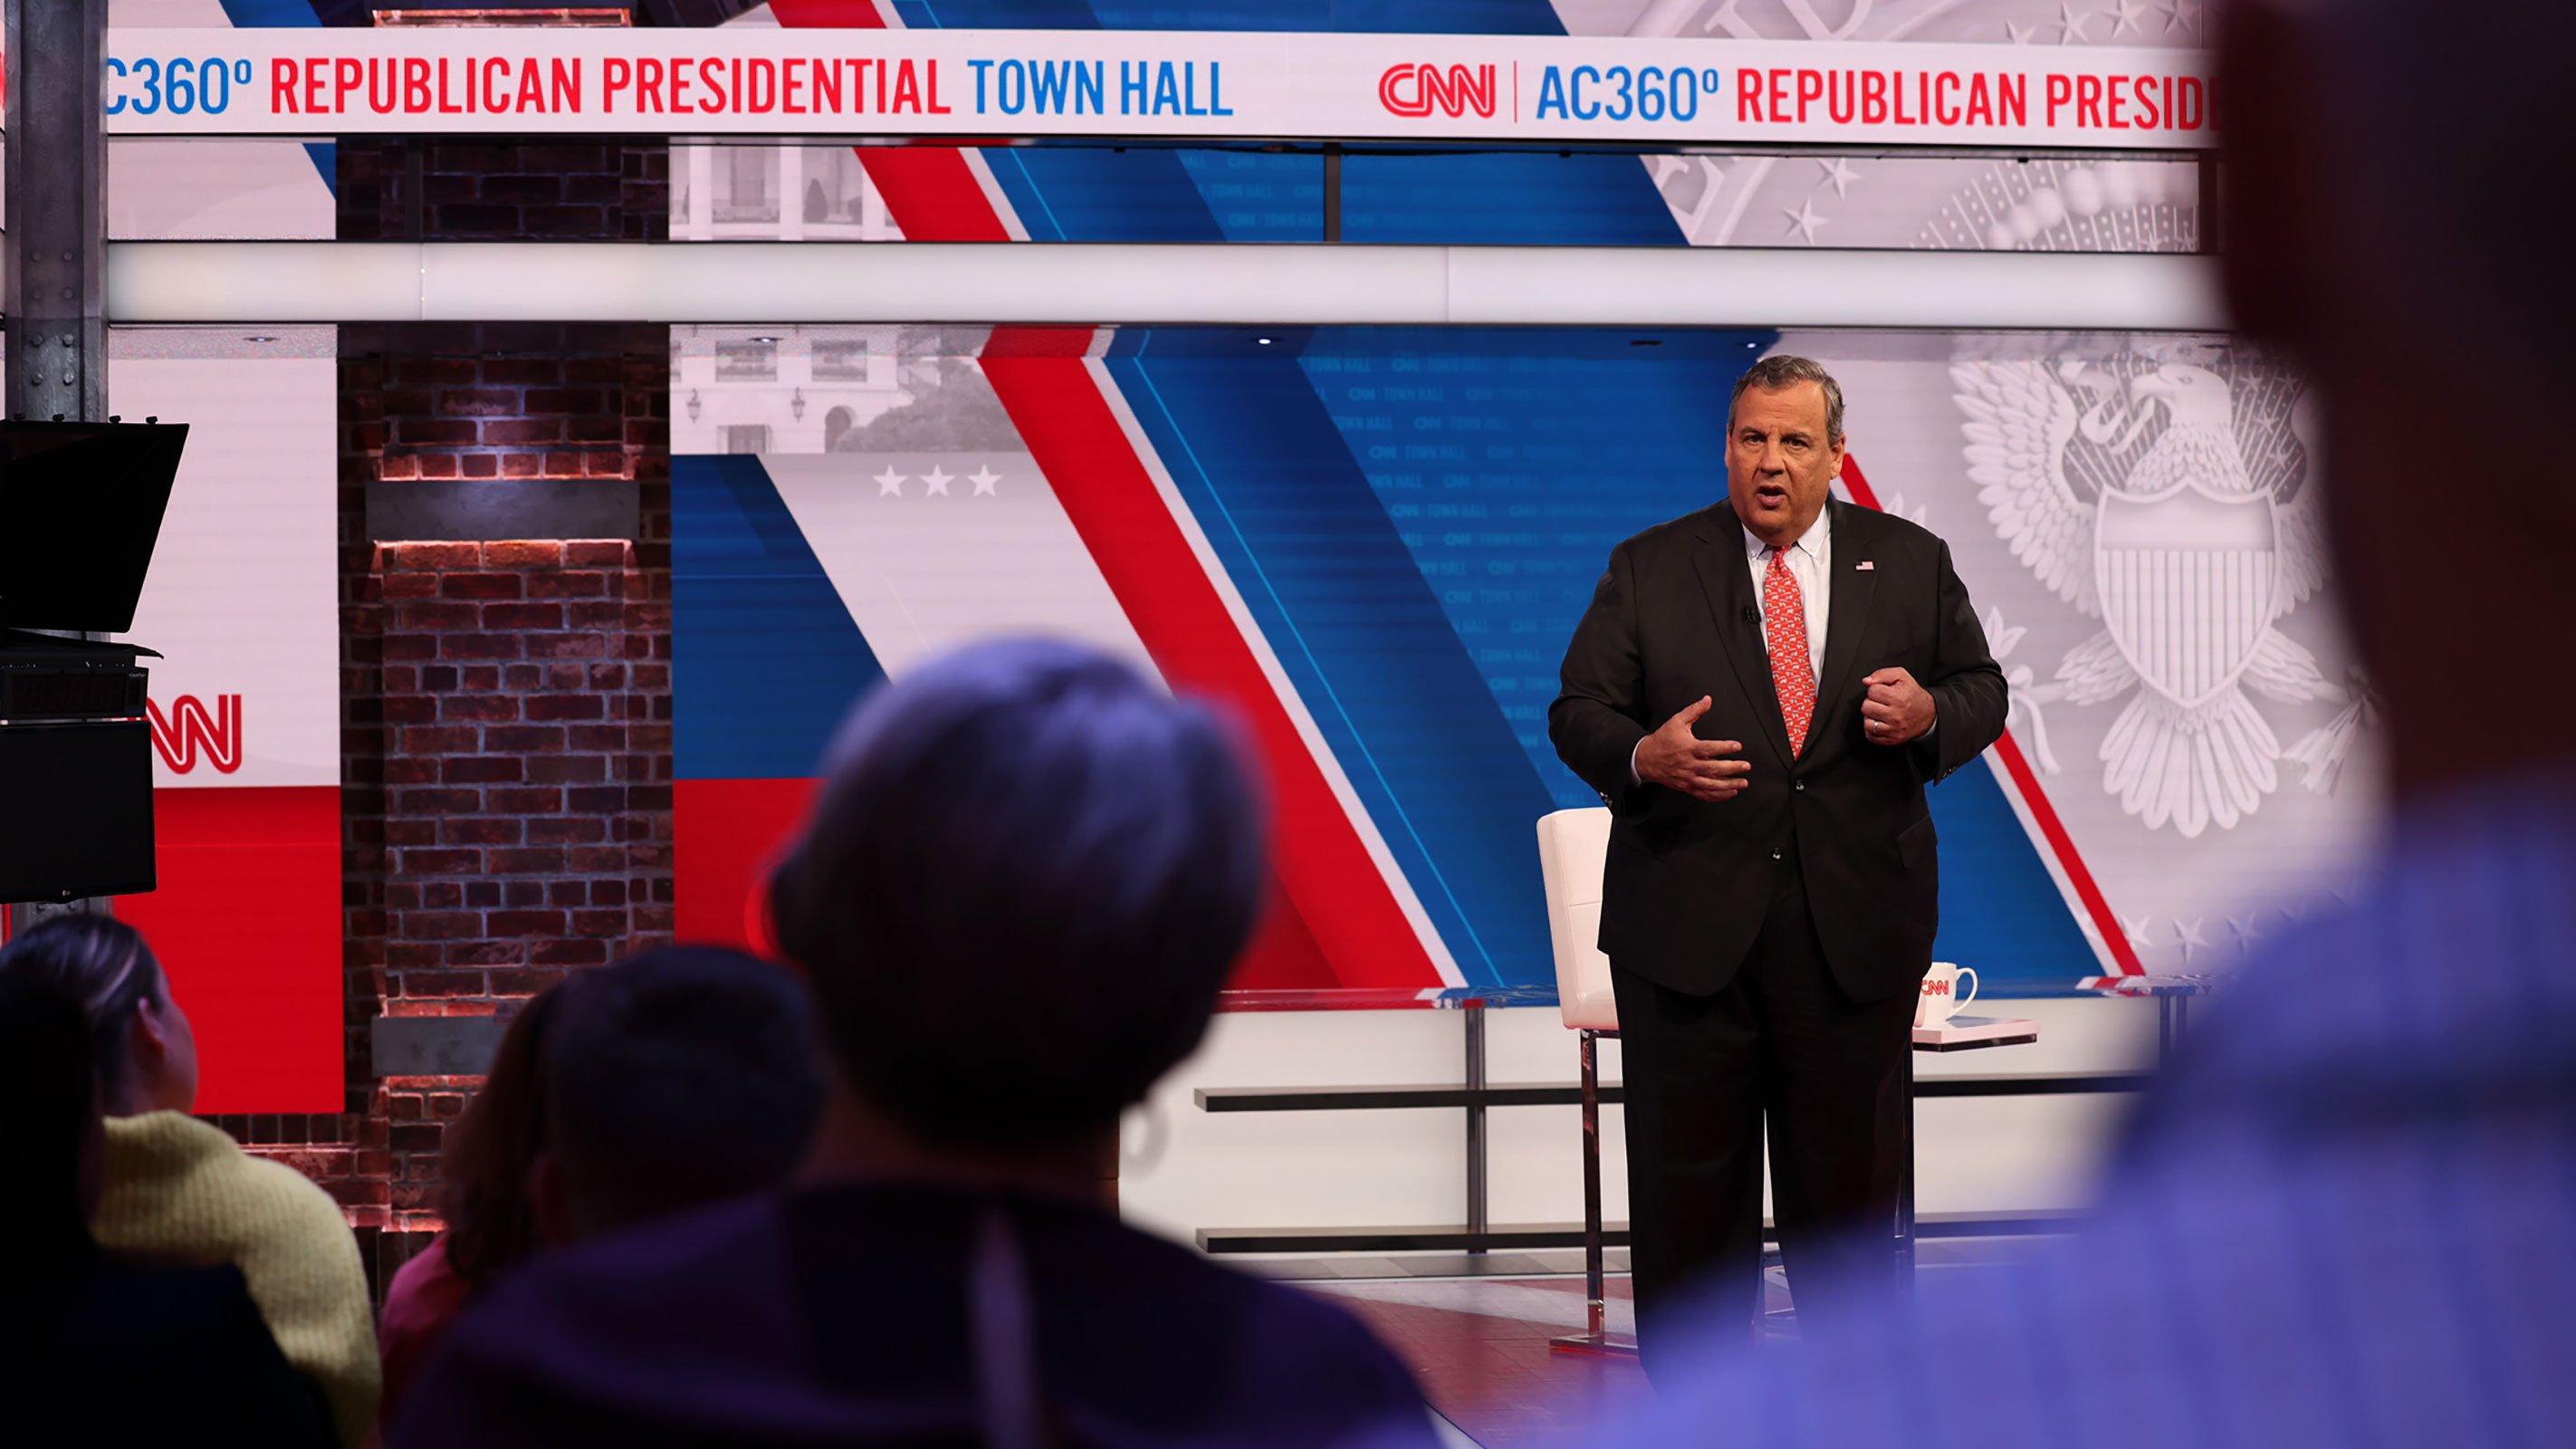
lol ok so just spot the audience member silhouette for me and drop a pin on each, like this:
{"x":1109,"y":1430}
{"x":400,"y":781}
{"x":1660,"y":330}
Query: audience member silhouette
{"x":483,"y":1192}
{"x":101,"y":1352}
{"x":671,"y":1080}
{"x":2343,"y":1216}
{"x":1023,"y":884}
{"x":179,"y":1188}
{"x":679,"y":1078}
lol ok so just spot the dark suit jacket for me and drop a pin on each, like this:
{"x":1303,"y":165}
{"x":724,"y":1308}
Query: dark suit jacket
{"x":1687,"y":881}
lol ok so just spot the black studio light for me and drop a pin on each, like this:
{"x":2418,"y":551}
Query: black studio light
{"x":80,"y":511}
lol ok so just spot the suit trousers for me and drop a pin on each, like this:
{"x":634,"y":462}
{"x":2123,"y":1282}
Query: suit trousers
{"x":1780,"y":1044}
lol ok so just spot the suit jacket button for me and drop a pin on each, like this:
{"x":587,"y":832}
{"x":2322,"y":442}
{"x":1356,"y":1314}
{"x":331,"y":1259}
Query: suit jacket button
{"x":1775,"y":852}
{"x":1797,"y":784}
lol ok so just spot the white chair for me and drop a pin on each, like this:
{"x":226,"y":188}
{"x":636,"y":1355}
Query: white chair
{"x":1571,"y":847}
{"x":1572,"y":844}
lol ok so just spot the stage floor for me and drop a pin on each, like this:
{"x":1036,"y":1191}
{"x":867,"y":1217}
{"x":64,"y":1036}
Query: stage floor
{"x":1479,"y":1346}
{"x":1476,"y":1331}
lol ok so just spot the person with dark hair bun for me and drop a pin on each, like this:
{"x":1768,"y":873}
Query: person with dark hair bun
{"x":100,"y":1352}
{"x":179,"y":1188}
{"x":1024,"y":882}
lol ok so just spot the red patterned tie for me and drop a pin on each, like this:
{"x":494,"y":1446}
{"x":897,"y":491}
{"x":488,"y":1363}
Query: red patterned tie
{"x":1784,"y":628}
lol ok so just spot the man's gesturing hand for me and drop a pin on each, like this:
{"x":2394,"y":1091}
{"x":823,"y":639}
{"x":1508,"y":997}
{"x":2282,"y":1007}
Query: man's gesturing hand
{"x":1674,"y":757}
{"x":1896,"y":710}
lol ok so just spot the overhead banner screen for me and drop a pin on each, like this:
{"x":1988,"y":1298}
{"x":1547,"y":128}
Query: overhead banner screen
{"x":767,"y":82}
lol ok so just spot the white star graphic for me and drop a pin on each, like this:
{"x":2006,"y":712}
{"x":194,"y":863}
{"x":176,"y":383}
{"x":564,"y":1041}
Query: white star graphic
{"x":938,"y":482}
{"x":1839,"y":172}
{"x":2182,"y":15}
{"x":2243,"y":929}
{"x":2136,"y":929}
{"x":984,"y":478}
{"x":2187,"y":936}
{"x":890,"y":482}
{"x":2070,"y":26}
{"x":1804,"y":221}
{"x":2018,"y":34}
{"x":2124,"y":16}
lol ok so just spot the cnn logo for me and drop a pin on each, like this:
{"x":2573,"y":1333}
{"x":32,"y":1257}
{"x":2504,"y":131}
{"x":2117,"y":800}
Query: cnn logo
{"x":188,"y":728}
{"x":1416,"y":90}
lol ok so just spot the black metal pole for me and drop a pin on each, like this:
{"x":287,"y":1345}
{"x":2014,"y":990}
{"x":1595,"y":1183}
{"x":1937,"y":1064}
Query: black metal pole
{"x":1478,"y":1219}
{"x":54,"y":251}
{"x":1596,"y":1312}
{"x":1904,"y":1190}
{"x":55,"y":248}
{"x":1332,"y":191}
{"x":2210,"y":210}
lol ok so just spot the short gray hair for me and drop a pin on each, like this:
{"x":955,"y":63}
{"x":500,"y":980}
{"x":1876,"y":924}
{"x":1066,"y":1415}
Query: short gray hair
{"x":1780,"y":370}
{"x":1027,"y":876}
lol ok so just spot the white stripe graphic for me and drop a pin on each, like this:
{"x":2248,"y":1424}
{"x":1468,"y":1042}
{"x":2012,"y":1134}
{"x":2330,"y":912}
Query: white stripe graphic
{"x":1280,"y":685}
{"x":922,"y":573}
{"x":1400,"y":888}
{"x":2048,"y":858}
{"x":982,"y":171}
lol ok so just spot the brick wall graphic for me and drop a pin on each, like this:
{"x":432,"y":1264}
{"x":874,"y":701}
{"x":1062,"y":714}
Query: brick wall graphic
{"x":508,"y":417}
{"x":525,"y":781}
{"x":506,"y":741}
{"x":503,"y":704}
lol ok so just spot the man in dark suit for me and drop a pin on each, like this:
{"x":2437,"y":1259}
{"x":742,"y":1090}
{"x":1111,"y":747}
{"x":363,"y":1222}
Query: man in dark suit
{"x":1760,"y":691}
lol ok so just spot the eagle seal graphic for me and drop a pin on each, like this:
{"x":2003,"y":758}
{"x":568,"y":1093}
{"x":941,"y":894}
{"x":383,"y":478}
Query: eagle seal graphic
{"x":2176,"y":510}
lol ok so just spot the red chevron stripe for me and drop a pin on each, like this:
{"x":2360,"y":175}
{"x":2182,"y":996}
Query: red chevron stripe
{"x":2052,"y":830}
{"x":1341,"y":924}
{"x":1149,"y":564}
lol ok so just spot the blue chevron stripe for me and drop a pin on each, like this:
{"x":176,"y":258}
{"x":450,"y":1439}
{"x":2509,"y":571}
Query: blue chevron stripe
{"x":764,"y":657}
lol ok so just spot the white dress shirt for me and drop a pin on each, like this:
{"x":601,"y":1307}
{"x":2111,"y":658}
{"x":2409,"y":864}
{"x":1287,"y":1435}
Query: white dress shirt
{"x":1810,"y":562}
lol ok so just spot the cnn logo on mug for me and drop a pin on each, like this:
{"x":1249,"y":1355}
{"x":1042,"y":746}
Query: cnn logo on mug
{"x":1941,"y":994}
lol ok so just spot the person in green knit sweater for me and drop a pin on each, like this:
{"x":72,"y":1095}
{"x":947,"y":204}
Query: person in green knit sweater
{"x":180,"y":1189}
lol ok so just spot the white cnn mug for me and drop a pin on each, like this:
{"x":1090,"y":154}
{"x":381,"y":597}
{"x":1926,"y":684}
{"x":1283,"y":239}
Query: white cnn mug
{"x":1941,"y":993}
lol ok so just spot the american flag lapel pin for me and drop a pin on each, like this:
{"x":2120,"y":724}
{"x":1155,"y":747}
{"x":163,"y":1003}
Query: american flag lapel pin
{"x":1865,"y":566}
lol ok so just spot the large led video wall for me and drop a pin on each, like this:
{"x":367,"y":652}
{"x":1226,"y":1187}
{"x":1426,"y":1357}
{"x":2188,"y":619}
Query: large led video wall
{"x":1371,"y":542}
{"x":1374,"y":543}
